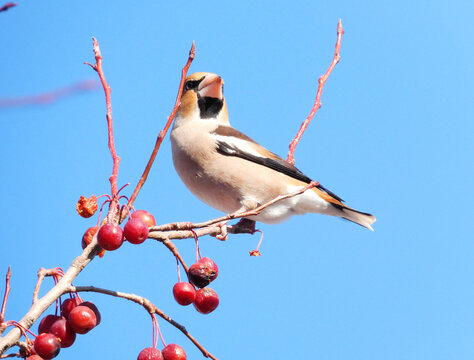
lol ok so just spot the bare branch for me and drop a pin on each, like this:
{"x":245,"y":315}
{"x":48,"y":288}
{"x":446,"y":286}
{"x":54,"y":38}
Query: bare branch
{"x":149,"y":306}
{"x":317,"y":102}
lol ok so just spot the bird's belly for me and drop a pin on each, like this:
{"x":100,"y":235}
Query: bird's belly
{"x":219,"y":195}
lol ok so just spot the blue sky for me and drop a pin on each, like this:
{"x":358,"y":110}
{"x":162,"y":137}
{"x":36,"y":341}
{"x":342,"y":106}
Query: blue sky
{"x":394,"y":137}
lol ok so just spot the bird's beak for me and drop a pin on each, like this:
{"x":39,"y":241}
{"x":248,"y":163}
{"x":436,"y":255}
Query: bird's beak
{"x":211,"y":86}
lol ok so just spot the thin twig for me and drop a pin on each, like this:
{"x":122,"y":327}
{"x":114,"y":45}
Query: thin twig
{"x":42,"y":273}
{"x":149,"y":306}
{"x":317,"y":102}
{"x":116,"y":159}
{"x":163,"y":132}
{"x":49,"y":97}
{"x":5,"y":296}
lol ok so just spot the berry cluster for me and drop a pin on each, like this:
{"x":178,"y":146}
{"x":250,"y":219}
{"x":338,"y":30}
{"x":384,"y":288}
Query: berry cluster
{"x":170,"y":352}
{"x":56,"y":332}
{"x":111,"y":236}
{"x":200,"y":274}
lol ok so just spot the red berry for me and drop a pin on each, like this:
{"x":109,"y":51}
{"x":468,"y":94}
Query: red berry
{"x":62,"y":330}
{"x":135,"y":231}
{"x":34,"y":357}
{"x":82,"y":319}
{"x":110,"y":237}
{"x":92,"y":306}
{"x":203,"y":272}
{"x":145,"y":216}
{"x":47,"y":345}
{"x":206,"y":300}
{"x":88,"y":235}
{"x":46,"y":323}
{"x":68,"y":305}
{"x":184,"y":293}
{"x":150,"y":353}
{"x":173,"y":352}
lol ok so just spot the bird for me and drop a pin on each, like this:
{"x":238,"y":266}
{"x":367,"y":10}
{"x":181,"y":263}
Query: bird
{"x":230,"y":172}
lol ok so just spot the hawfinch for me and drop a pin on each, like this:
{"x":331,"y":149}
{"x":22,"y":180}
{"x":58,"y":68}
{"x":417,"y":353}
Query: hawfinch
{"x":230,"y":172}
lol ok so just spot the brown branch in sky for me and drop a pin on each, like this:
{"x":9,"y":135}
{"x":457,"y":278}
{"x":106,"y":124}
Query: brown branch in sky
{"x":51,"y":96}
{"x":317,"y":102}
{"x":149,"y":306}
{"x":116,"y":159}
{"x":8,"y":6}
{"x":161,"y":135}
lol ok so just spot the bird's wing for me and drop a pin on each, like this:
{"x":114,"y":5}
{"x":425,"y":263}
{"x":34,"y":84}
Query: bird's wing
{"x":231,"y":142}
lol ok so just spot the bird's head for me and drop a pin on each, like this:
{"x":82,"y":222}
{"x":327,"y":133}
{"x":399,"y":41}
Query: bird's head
{"x":203,"y":97}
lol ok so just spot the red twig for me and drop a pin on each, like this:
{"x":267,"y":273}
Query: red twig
{"x":5,"y":296}
{"x":8,"y":6}
{"x":317,"y":102}
{"x":116,"y":160}
{"x":163,"y":132}
{"x":51,"y":96}
{"x":41,"y":275}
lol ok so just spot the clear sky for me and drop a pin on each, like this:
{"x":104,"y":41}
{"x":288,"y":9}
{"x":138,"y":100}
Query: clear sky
{"x":394,"y":137}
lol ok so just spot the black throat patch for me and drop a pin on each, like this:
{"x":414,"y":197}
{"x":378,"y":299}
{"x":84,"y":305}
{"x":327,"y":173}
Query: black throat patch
{"x":209,"y":107}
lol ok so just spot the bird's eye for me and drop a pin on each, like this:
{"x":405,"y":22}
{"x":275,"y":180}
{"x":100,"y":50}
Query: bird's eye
{"x":191,"y":84}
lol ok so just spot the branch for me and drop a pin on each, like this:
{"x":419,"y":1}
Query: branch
{"x":8,"y":6}
{"x":178,"y":227}
{"x":317,"y":103}
{"x":40,"y":306}
{"x":116,"y":160}
{"x":149,"y":306}
{"x":161,"y":135}
{"x":51,"y":96}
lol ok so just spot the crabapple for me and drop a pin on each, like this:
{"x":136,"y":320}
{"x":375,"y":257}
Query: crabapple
{"x":173,"y":352}
{"x":82,"y":319}
{"x":203,"y":272}
{"x":110,"y":236}
{"x":47,"y":345}
{"x":145,"y":216}
{"x":63,"y":331}
{"x":184,"y":293}
{"x":150,"y":353}
{"x":206,"y":300}
{"x":135,"y":230}
{"x":46,"y":323}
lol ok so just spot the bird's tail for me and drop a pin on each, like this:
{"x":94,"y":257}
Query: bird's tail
{"x":359,"y":217}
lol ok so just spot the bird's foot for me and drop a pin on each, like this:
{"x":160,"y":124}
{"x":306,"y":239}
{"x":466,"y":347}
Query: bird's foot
{"x":244,"y":226}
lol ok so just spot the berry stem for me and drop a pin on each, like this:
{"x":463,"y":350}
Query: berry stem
{"x":317,"y":103}
{"x":179,"y":273}
{"x":196,"y":239}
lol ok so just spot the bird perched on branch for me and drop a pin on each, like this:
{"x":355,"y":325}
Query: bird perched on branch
{"x":231,"y":172}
